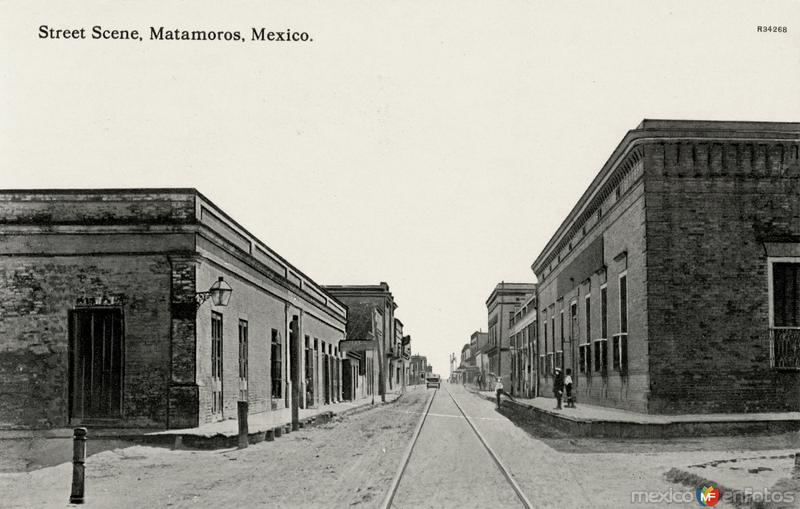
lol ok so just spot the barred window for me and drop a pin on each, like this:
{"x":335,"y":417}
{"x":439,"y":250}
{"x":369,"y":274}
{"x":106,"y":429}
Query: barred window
{"x":620,"y":354}
{"x":588,"y":310}
{"x":276,"y":366}
{"x":243,"y":360}
{"x":623,"y":303}
{"x":216,"y":363}
{"x":585,"y":353}
{"x":601,"y":356}
{"x":786,"y":294}
{"x":603,"y":312}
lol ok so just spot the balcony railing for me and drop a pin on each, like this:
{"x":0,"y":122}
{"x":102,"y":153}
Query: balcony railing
{"x":784,"y":348}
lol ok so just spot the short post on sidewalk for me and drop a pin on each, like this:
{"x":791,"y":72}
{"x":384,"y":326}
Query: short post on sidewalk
{"x":78,"y":465}
{"x":242,"y":409}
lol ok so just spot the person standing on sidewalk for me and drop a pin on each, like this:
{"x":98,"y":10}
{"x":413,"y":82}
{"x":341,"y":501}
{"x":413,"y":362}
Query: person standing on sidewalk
{"x":568,"y":389}
{"x":558,"y":387}
{"x":498,"y":389}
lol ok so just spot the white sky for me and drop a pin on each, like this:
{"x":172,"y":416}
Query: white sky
{"x":432,"y":145}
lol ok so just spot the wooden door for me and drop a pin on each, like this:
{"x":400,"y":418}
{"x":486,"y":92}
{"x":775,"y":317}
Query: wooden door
{"x":96,"y":363}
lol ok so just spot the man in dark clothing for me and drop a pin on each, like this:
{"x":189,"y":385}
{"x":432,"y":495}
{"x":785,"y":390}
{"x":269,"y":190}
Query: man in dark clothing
{"x":558,"y":387}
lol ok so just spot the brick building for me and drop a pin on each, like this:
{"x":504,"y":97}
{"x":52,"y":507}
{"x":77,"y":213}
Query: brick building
{"x":466,"y":355}
{"x":417,"y":367}
{"x":101,"y":323}
{"x":673,"y":285}
{"x":523,"y":349}
{"x":372,"y":310}
{"x":500,"y":305}
{"x":400,"y":352}
{"x":479,"y":343}
{"x":406,"y":345}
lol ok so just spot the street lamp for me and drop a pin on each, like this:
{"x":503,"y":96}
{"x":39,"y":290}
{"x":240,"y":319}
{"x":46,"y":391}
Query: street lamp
{"x":219,"y":293}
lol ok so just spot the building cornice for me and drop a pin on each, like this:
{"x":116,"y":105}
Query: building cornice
{"x":629,"y":152}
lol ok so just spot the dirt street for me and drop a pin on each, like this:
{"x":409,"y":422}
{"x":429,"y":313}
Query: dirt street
{"x":348,"y":462}
{"x":351,"y":461}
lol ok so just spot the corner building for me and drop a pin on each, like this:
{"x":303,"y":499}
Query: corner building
{"x":101,"y":323}
{"x":673,"y":286}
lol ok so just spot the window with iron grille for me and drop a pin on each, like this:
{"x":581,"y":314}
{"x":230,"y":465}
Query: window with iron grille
{"x":784,"y":327}
{"x":601,"y":356}
{"x":623,"y":303}
{"x":573,"y":317}
{"x":588,"y":312}
{"x":559,"y":360}
{"x":603,"y":312}
{"x":786,"y":294}
{"x":216,"y":363}
{"x":276,"y":366}
{"x":546,"y":349}
{"x":243,"y":360}
{"x":620,"y":347}
{"x":585,"y":353}
{"x":310,"y":375}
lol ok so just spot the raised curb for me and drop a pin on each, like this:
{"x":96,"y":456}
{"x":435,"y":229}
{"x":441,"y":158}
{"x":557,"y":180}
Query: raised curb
{"x":629,"y":429}
{"x":160,"y":438}
{"x":223,"y":441}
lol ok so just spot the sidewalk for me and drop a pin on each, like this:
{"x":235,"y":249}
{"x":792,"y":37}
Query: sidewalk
{"x":263,"y":426}
{"x":593,"y":420}
{"x":213,"y":435}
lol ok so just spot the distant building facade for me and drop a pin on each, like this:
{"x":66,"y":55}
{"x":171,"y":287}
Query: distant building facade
{"x":479,"y":344}
{"x":371,"y":311}
{"x":524,"y":357}
{"x":465,"y":355}
{"x":418,"y":367}
{"x":500,"y":305}
{"x":673,"y":286}
{"x":399,"y":354}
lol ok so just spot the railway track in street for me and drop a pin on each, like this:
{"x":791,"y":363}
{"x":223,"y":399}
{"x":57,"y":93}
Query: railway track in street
{"x":410,"y":450}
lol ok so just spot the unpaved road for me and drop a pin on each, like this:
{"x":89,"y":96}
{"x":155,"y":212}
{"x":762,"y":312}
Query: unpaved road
{"x":348,"y":462}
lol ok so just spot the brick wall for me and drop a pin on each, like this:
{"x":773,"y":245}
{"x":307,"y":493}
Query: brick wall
{"x":36,"y":294}
{"x":97,"y":208}
{"x":710,"y":207}
{"x":621,"y":227}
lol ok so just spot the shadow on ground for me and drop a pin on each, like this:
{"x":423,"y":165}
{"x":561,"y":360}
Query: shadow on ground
{"x":27,"y":454}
